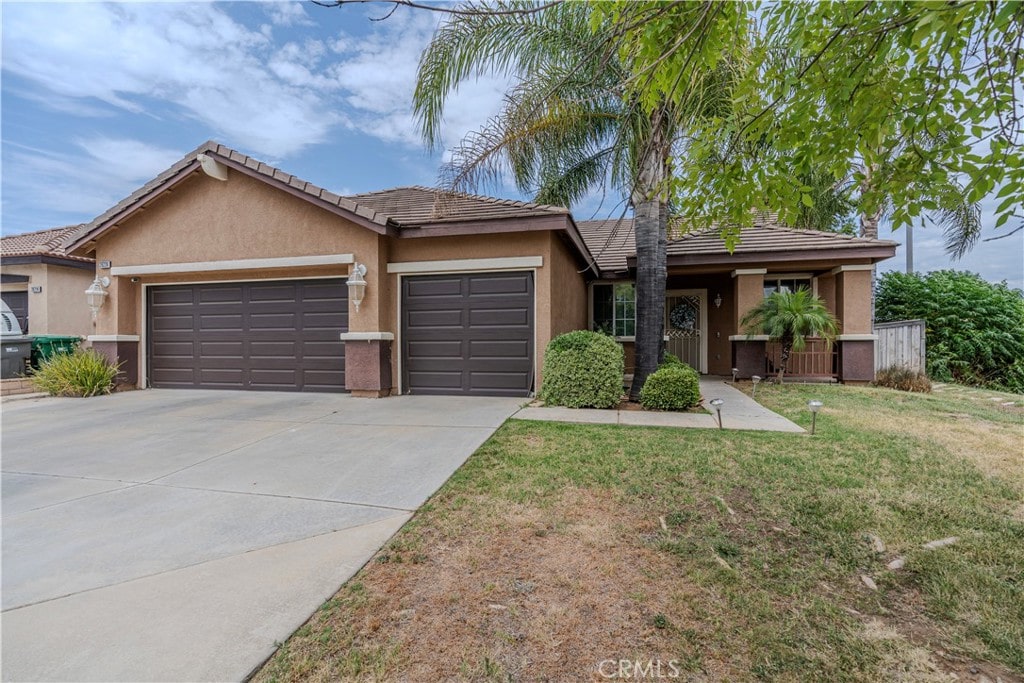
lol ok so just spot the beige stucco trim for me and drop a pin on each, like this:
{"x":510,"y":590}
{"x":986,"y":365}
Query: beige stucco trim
{"x":467,"y":265}
{"x":239,"y":264}
{"x":14,"y":287}
{"x":749,"y":271}
{"x":367,"y":336}
{"x":855,"y":266}
{"x":857,"y":337}
{"x":752,"y":337}
{"x":113,"y":338}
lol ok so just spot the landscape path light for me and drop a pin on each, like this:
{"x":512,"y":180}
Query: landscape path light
{"x":717,"y":403}
{"x":815,"y":406}
{"x":755,"y":379}
{"x":735,"y":372}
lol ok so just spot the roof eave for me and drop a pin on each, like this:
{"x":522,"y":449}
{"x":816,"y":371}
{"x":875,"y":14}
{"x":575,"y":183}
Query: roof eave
{"x":874,"y":253}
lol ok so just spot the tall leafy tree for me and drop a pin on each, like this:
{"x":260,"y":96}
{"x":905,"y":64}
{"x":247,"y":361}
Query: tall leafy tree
{"x":789,"y":318}
{"x":833,"y":83}
{"x":569,"y":124}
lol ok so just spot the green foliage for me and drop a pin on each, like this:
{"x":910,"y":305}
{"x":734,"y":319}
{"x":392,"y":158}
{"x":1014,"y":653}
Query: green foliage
{"x":903,"y":379}
{"x":82,"y":373}
{"x":916,"y":94}
{"x":974,"y":329}
{"x":583,"y":370}
{"x":790,"y":318}
{"x":674,"y":386}
{"x":671,"y":360}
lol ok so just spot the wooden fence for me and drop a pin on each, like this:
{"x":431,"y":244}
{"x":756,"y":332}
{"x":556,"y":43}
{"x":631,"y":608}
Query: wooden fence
{"x":900,"y":343}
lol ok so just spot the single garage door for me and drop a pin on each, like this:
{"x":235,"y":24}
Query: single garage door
{"x":18,"y":303}
{"x":468,"y":334}
{"x":272,"y":335}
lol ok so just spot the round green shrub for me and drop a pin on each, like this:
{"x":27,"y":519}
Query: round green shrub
{"x":671,"y":387}
{"x":583,"y":370}
{"x":671,"y":360}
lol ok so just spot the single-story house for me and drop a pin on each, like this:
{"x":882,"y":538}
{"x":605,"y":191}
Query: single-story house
{"x":225,"y":272}
{"x":44,"y":286}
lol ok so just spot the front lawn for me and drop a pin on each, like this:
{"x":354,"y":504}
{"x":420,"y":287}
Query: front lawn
{"x":721,"y":555}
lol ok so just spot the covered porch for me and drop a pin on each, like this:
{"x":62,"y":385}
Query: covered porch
{"x":709,"y":291}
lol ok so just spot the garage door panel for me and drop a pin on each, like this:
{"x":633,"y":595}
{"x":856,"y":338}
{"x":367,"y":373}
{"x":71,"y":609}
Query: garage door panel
{"x":433,"y":287}
{"x":487,"y":349}
{"x":478,"y":342}
{"x":511,"y":284}
{"x":232,"y":349}
{"x":250,"y":335}
{"x":18,"y":303}
{"x":497,"y":317}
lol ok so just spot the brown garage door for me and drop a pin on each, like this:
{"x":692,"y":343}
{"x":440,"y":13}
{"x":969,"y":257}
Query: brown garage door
{"x":468,"y":334}
{"x":274,"y":335}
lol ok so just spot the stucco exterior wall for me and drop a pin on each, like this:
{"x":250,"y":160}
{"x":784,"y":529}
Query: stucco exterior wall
{"x":853,"y":301}
{"x":60,"y":308}
{"x":569,"y":290}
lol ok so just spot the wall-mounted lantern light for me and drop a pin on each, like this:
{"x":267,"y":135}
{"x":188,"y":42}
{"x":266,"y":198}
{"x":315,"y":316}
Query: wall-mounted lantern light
{"x":815,"y":406}
{"x":717,"y":403}
{"x":718,"y":300}
{"x":356,"y":284}
{"x":97,"y":294}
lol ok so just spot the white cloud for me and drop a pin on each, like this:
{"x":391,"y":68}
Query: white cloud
{"x":87,"y":179}
{"x":193,"y":56}
{"x":287,"y":13}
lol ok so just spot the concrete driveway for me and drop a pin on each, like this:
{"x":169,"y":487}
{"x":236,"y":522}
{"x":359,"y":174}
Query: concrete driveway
{"x":178,"y":535}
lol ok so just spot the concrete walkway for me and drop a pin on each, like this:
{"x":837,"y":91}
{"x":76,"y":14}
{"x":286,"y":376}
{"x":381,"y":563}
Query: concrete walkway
{"x":738,"y":412}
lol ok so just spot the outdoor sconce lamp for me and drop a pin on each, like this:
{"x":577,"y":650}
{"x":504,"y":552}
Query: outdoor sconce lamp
{"x":717,"y":403}
{"x":97,"y":294}
{"x":815,"y":406}
{"x":755,"y":379}
{"x":718,"y":300}
{"x":356,"y":284}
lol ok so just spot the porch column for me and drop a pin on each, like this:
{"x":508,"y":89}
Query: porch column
{"x":368,"y":342}
{"x":856,"y":341}
{"x":748,"y":353}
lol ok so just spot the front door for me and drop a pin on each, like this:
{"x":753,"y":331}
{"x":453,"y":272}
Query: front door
{"x":685,"y":325}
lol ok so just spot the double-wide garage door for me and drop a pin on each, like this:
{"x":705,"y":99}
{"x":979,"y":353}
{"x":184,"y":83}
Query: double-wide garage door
{"x":269,"y":335}
{"x":468,"y":334}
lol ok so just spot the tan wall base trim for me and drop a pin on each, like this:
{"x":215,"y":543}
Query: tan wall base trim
{"x":367,"y":393}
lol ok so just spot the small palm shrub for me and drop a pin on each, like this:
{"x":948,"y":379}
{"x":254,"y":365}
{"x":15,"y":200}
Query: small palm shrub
{"x":583,"y":370}
{"x":82,"y":373}
{"x":904,"y":379}
{"x":674,"y":386}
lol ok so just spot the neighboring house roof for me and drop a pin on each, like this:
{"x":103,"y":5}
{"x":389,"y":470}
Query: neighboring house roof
{"x":612,"y":243}
{"x":427,"y":211}
{"x":49,"y":243}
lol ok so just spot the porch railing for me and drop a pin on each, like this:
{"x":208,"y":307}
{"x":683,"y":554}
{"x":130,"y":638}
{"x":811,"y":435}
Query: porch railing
{"x":816,"y":360}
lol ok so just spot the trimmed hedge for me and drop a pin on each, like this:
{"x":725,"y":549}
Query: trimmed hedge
{"x":673,"y":386}
{"x":583,"y":370}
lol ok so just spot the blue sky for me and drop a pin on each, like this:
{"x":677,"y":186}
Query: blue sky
{"x":99,"y":98}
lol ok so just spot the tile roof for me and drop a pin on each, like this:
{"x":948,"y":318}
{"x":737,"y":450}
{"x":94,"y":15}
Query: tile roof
{"x":412,"y":207}
{"x":49,"y":242}
{"x":404,"y":207}
{"x":611,"y":241}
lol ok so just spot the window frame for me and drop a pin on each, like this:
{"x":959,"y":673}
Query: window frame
{"x":591,"y":301}
{"x":775,"y":278}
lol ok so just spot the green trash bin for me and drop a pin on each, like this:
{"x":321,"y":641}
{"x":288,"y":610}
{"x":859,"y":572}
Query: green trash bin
{"x":46,"y":346}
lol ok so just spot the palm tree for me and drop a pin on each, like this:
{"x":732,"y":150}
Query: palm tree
{"x":567,"y":126}
{"x":789,"y":318}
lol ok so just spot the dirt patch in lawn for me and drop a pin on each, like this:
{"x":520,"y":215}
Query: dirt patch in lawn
{"x":554,"y":590}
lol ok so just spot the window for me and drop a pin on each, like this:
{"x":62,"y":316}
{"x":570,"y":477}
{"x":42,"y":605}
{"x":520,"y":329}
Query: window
{"x":615,"y":309}
{"x":774,"y":284}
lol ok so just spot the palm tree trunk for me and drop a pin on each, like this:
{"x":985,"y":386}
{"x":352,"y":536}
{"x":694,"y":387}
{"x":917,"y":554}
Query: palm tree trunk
{"x":787,"y":350}
{"x":650,"y":260}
